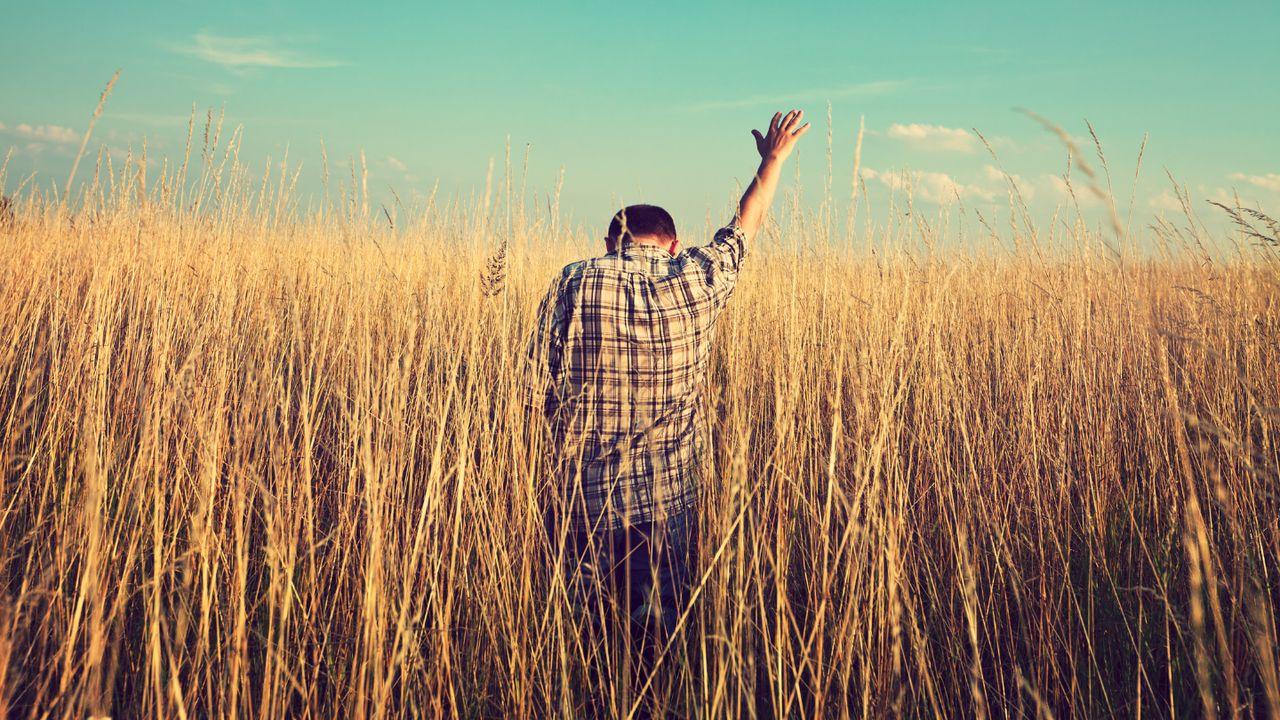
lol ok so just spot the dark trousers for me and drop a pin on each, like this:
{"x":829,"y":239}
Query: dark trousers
{"x":639,"y":575}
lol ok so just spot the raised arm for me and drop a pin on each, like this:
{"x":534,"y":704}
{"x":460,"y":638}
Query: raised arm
{"x":774,"y":146}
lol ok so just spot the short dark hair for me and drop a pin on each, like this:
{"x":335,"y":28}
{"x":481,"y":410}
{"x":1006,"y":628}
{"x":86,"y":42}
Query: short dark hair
{"x":635,"y":221}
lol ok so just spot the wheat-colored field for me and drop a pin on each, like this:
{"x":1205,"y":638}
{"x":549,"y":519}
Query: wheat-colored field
{"x":267,"y":461}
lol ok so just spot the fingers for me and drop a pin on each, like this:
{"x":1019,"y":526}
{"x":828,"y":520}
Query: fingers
{"x":783,"y":131}
{"x":793,"y":117}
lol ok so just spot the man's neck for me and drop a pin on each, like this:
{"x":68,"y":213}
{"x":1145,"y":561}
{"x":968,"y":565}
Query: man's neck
{"x":647,"y":242}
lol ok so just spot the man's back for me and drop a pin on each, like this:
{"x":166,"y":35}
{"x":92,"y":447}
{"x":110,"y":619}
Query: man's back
{"x":622,"y":347}
{"x":618,"y":360}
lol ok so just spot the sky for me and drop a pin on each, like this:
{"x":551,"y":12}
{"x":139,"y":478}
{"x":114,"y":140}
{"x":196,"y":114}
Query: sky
{"x":655,"y":102}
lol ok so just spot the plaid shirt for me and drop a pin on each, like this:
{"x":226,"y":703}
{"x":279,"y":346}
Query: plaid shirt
{"x":618,"y":358}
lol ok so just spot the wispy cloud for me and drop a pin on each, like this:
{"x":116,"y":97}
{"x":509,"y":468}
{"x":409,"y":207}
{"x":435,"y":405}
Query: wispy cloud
{"x":1270,"y":181}
{"x":934,"y":137}
{"x":867,"y":89}
{"x":1025,"y":187}
{"x":249,"y":52}
{"x":935,"y":187}
{"x":1075,"y":192}
{"x":1232,"y":196}
{"x":397,"y":164}
{"x":1169,"y":201}
{"x":1165,"y":201}
{"x":43,"y":133}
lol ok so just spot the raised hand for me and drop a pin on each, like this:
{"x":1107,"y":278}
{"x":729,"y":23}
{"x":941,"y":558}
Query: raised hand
{"x":774,"y":147}
{"x":784,"y":131}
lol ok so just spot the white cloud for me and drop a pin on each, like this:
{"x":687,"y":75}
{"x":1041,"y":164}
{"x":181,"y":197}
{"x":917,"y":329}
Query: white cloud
{"x":125,"y":136}
{"x":395,"y":163}
{"x":1060,"y":189}
{"x":876,"y":87}
{"x":1083,"y":194}
{"x":1166,"y":200}
{"x":934,"y":137}
{"x":1230,"y":196}
{"x":246,"y":52}
{"x":995,"y":174}
{"x":43,"y":133}
{"x":934,"y":187}
{"x":1270,"y":181}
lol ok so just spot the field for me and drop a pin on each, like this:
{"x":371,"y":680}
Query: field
{"x":268,"y":460}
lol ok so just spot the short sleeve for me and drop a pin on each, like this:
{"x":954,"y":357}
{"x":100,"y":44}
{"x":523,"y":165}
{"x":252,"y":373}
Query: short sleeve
{"x":718,"y":262}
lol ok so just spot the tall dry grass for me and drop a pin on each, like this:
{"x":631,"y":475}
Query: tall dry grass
{"x":271,"y":462}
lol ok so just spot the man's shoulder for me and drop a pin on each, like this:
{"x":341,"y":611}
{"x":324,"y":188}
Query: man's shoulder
{"x":587,"y":270}
{"x":573,"y":269}
{"x":570,"y":274}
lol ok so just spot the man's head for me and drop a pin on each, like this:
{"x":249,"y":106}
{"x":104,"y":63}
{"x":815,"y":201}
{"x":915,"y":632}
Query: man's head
{"x":642,"y":225}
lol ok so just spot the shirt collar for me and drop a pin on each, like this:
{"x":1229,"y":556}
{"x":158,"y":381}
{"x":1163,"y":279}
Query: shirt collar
{"x":642,"y":250}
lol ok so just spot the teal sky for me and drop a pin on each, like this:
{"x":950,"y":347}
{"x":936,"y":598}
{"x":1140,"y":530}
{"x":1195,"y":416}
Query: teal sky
{"x":655,"y":103}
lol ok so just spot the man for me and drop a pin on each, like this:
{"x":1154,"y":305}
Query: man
{"x":620,"y":352}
